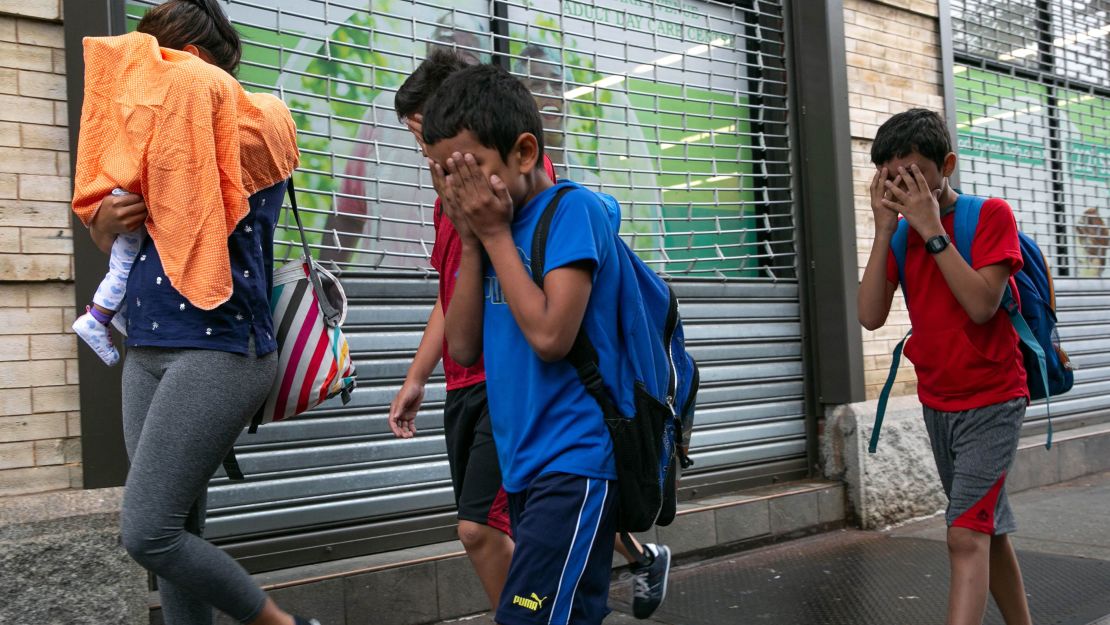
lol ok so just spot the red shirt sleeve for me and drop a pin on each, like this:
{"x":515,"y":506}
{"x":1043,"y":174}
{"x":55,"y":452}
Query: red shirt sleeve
{"x":891,"y":268}
{"x":439,"y":247}
{"x":996,"y":238}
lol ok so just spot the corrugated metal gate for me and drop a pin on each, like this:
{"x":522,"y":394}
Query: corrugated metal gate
{"x":1033,"y":102}
{"x":677,"y":108}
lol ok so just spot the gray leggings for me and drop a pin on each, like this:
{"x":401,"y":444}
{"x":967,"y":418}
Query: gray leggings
{"x":182,"y":411}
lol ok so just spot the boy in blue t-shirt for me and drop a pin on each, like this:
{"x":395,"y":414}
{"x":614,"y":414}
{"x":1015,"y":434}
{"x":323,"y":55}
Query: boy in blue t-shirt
{"x":484,"y":137}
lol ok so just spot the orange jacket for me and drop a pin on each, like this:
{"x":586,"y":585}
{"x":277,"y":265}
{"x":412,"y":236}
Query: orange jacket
{"x":186,"y":136}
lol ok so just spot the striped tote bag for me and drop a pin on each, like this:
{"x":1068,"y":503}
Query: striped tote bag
{"x":314,"y":359}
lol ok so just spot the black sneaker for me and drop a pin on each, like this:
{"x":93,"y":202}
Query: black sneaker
{"x":305,"y":621}
{"x":649,"y":582}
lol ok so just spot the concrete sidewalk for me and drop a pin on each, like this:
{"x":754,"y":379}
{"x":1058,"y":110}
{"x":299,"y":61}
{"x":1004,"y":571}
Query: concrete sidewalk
{"x":898,"y":576}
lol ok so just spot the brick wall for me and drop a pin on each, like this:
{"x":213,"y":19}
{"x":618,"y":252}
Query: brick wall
{"x":893,"y":54}
{"x":40,"y":426}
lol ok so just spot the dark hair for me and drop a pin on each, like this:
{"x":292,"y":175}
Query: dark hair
{"x":916,"y":130}
{"x":423,"y":82}
{"x":488,"y":101}
{"x":178,"y":23}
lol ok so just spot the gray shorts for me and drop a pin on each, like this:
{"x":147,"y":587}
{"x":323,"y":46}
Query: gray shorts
{"x":974,"y":450}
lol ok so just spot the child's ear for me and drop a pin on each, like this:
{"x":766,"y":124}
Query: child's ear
{"x":198,"y":52}
{"x":527,"y":149}
{"x":949,"y":165}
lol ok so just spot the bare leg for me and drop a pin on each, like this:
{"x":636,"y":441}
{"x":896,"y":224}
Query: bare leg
{"x":621,"y":549}
{"x":969,"y":556}
{"x":490,"y":551}
{"x":1006,"y":584}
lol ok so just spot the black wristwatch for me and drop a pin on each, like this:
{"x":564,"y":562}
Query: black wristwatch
{"x":937,"y":244}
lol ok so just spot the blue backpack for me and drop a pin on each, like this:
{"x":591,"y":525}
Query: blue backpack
{"x":1048,"y":369}
{"x":650,"y":419}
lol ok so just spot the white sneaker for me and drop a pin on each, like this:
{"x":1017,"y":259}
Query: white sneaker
{"x":96,"y":336}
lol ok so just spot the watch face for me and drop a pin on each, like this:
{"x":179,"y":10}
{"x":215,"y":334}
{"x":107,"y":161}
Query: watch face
{"x":937,"y":244}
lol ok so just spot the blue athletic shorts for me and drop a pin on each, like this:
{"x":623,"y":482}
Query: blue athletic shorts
{"x":564,"y":527}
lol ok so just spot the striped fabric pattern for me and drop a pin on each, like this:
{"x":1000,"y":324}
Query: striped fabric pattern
{"x":314,"y":359}
{"x":585,"y":531}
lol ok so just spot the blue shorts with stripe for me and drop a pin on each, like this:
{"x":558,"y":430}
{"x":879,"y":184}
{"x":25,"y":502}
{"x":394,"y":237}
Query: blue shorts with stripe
{"x":564,"y":527}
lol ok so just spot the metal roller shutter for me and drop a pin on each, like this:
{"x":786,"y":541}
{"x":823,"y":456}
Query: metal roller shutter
{"x":679,"y":109}
{"x":1033,"y":101}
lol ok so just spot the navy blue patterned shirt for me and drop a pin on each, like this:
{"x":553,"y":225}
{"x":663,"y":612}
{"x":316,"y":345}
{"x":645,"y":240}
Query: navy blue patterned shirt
{"x":158,"y":316}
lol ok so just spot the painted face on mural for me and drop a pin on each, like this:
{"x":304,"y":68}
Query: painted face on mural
{"x":543,"y":76}
{"x":1093,"y":236}
{"x":465,"y":44}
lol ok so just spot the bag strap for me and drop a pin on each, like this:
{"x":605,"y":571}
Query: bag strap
{"x":884,"y":395}
{"x":582,"y":355}
{"x":966,"y":222}
{"x":898,"y":244}
{"x":1029,"y":340}
{"x":968,"y":208}
{"x":539,"y":236}
{"x":967,"y":219}
{"x":330,"y":313}
{"x":231,"y":466}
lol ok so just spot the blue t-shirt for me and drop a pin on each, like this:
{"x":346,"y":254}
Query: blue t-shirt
{"x":543,"y":419}
{"x":159,"y":316}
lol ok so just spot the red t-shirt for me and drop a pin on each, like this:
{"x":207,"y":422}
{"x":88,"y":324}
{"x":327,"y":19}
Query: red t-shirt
{"x":446,"y":255}
{"x":962,"y":365}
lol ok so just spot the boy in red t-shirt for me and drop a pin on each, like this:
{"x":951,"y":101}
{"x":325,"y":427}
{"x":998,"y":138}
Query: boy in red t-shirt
{"x":483,"y":508}
{"x":970,"y":377}
{"x":475,"y":473}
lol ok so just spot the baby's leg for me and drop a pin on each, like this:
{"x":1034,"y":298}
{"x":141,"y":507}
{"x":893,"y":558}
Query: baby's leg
{"x":109,"y":295}
{"x":92,"y":326}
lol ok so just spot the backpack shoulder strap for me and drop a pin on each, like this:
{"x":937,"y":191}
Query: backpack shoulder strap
{"x":539,"y":236}
{"x":898,"y":244}
{"x":968,"y":208}
{"x":1033,"y":346}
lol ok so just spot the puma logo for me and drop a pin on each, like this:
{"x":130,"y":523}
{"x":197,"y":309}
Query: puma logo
{"x":535,"y":603}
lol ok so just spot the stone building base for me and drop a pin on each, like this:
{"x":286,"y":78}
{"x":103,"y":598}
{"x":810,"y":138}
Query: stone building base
{"x":899,"y":482}
{"x":62,"y":563}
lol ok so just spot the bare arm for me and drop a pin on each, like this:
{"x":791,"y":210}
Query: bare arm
{"x":430,"y":351}
{"x":463,"y":323}
{"x":117,"y":214}
{"x":403,"y":408}
{"x":979,"y":292}
{"x":548,"y":317}
{"x":875,"y":291}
